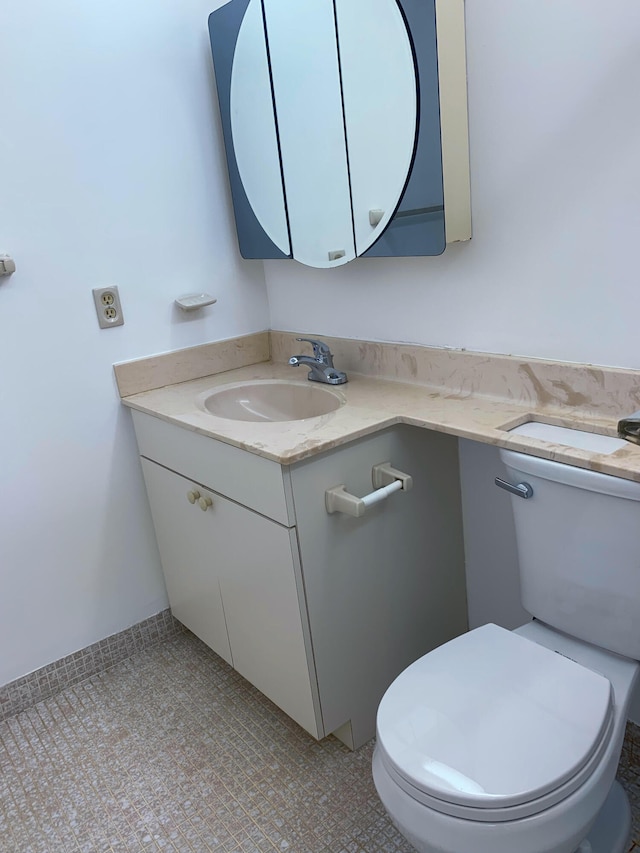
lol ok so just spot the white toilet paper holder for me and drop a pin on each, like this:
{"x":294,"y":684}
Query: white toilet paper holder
{"x":386,"y":480}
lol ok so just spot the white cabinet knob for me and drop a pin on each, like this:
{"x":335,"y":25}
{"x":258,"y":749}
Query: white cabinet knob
{"x":205,"y":503}
{"x":193,"y":496}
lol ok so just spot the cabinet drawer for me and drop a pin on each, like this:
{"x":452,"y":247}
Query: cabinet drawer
{"x":251,"y":480}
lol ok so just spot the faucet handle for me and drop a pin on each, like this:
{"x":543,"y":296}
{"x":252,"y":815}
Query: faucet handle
{"x":319,"y":347}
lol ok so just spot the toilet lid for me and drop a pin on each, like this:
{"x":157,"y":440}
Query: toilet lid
{"x":491,"y":720}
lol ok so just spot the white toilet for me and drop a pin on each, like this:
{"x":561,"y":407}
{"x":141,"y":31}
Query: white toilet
{"x":508,"y":741}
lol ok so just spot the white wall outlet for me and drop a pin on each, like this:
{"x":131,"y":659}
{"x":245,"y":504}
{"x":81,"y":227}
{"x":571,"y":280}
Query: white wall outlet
{"x":108,"y":308}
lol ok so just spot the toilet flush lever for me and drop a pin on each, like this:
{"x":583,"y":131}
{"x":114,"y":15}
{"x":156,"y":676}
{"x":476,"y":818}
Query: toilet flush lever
{"x":522,"y":490}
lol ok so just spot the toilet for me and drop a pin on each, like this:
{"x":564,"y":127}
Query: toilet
{"x":509,"y":741}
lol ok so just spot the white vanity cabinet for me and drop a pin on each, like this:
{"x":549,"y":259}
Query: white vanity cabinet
{"x":320,"y":612}
{"x":232,"y":572}
{"x":231,"y":579}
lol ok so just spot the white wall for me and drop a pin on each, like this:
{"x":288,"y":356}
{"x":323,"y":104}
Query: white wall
{"x":552,"y":268}
{"x":111,"y":172}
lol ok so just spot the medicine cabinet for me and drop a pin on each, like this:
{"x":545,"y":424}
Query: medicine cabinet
{"x":345,"y":126}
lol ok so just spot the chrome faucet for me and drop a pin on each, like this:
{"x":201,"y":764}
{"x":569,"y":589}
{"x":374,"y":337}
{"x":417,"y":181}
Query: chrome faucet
{"x":320,"y":365}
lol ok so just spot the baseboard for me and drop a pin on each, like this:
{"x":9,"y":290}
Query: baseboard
{"x":57,"y":676}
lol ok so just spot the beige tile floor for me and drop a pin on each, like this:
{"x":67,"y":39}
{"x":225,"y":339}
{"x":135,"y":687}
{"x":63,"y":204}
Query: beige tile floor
{"x":172,"y":750}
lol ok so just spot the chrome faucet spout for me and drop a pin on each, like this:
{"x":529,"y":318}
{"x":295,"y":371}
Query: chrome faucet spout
{"x":320,"y":364}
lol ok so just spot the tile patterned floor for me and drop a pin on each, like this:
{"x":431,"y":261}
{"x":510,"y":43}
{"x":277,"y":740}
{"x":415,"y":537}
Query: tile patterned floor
{"x":172,"y":750}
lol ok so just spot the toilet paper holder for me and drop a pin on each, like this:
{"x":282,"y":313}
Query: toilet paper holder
{"x":385,"y":479}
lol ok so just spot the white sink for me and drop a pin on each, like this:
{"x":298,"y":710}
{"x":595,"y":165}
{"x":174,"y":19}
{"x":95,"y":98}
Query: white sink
{"x":271,"y":400}
{"x":575,"y":438}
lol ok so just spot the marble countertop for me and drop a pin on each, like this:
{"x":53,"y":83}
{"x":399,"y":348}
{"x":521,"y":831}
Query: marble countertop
{"x":372,"y":404}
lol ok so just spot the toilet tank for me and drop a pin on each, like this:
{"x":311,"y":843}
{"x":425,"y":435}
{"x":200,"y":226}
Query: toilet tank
{"x":578,"y":540}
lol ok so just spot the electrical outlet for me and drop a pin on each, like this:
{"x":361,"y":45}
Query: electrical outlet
{"x":108,"y":308}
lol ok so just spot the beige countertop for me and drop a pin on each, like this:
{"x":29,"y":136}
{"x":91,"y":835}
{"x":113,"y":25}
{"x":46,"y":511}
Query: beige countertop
{"x":371,"y":404}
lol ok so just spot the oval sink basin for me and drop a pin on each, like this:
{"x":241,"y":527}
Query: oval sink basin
{"x":269,"y":400}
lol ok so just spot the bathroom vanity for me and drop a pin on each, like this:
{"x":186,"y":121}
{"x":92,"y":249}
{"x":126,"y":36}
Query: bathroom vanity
{"x":322,"y":610}
{"x":319,"y":611}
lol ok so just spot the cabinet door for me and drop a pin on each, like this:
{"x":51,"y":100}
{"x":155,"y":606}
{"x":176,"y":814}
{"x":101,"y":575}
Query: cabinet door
{"x":253,"y":129}
{"x":380,"y":109}
{"x":184,"y":535}
{"x":308,"y":101}
{"x":258,"y":564}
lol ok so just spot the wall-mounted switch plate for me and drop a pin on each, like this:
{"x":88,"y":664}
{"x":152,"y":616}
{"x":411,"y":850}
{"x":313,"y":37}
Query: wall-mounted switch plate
{"x":108,"y":308}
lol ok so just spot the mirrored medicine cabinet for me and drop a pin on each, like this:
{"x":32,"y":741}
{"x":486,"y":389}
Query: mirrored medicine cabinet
{"x":345,"y":126}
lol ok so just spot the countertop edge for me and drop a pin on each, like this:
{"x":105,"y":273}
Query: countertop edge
{"x":388,"y":403}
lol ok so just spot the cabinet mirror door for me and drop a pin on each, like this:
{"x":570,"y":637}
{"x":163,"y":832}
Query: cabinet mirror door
{"x":305,"y":70}
{"x":380,"y":110}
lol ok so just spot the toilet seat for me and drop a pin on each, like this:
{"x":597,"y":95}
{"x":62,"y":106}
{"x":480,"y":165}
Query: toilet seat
{"x":494,"y":727}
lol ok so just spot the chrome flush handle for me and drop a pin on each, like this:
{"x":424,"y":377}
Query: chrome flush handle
{"x":522,"y":490}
